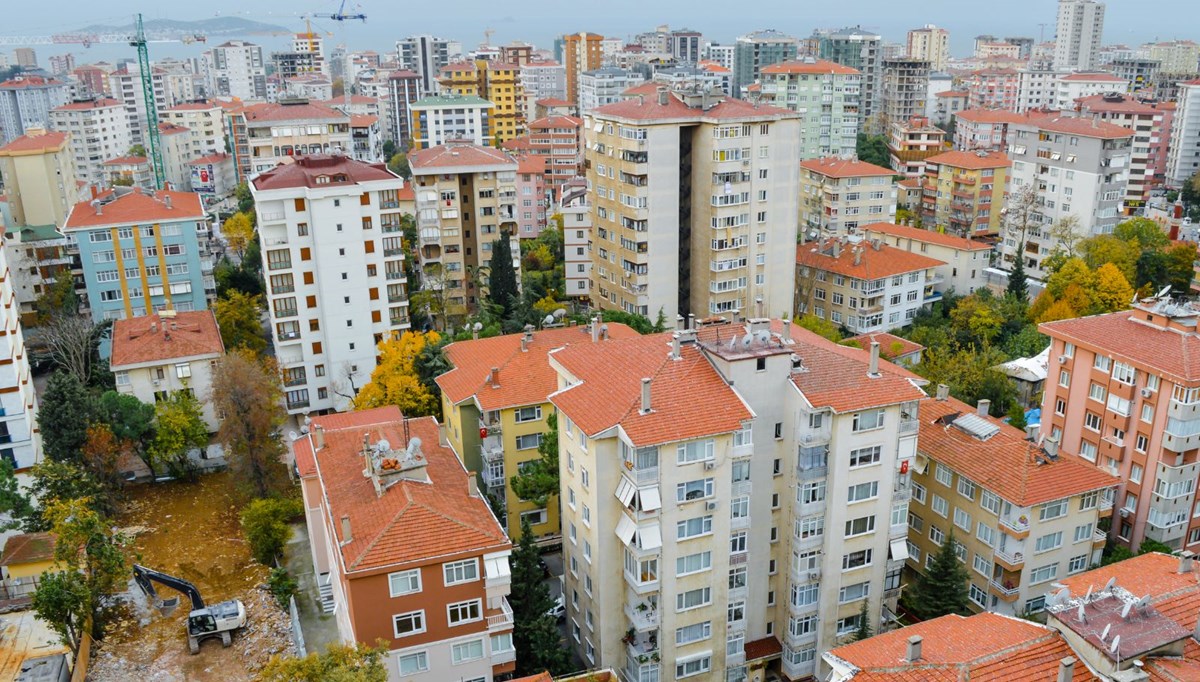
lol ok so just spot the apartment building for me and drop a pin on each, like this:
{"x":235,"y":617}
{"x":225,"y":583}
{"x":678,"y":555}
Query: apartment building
{"x":235,"y":68}
{"x":983,"y":129}
{"x":911,"y":142}
{"x":863,"y":51}
{"x":1075,"y":86}
{"x":266,"y":134}
{"x":1021,"y":516}
{"x":531,"y":186}
{"x":932,"y":44}
{"x":1037,"y":87}
{"x":39,"y":177}
{"x":992,"y":89}
{"x":99,"y":131}
{"x":827,"y":95}
{"x":606,"y":85}
{"x":26,"y":102}
{"x":544,"y":79}
{"x":839,"y":194}
{"x":405,"y":547}
{"x":945,"y":106}
{"x":310,"y":46}
{"x":864,"y":285}
{"x":965,"y":258}
{"x":1183,"y":155}
{"x":1151,"y":128}
{"x":141,"y":252}
{"x":37,"y":254}
{"x":20,"y":441}
{"x":710,"y":431}
{"x":1079,"y":32}
{"x":580,"y":54}
{"x":1129,"y":409}
{"x":125,"y":84}
{"x":425,"y":55}
{"x":403,"y":89}
{"x":129,"y":171}
{"x":333,"y":258}
{"x":175,"y":150}
{"x":440,"y":119}
{"x":905,"y":88}
{"x":754,"y":51}
{"x":964,"y":192}
{"x":664,"y":166}
{"x":466,"y":201}
{"x":496,"y":82}
{"x":560,"y":140}
{"x":1079,"y":167}
{"x":1176,"y":56}
{"x":1137,"y":71}
{"x":206,"y":123}
{"x":575,"y":207}
{"x":495,"y":401}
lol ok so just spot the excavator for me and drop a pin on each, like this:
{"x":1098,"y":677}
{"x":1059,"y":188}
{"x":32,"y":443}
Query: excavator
{"x":218,"y":620}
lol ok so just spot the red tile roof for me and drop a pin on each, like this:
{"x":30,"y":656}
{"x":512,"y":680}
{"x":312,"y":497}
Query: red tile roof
{"x":1124,"y":105}
{"x":763,"y":648}
{"x":89,"y":104}
{"x":127,"y":161}
{"x":1084,"y":127}
{"x":211,"y":158}
{"x":363,"y":120}
{"x":47,"y":141}
{"x":521,"y":143}
{"x":835,"y":167}
{"x":411,"y":522}
{"x":29,"y":82}
{"x":306,"y":169}
{"x":888,"y":348}
{"x":1003,"y":463}
{"x":897,"y":232}
{"x":555,"y":122}
{"x":647,"y":108}
{"x":688,"y":397}
{"x":279,"y":113}
{"x":172,"y":129}
{"x":976,"y":160}
{"x":712,"y":67}
{"x":989,"y":116}
{"x":27,"y":548}
{"x":953,"y":93}
{"x":532,"y":163}
{"x":136,"y":208}
{"x":873,"y":263}
{"x":1092,"y":78}
{"x":454,"y":154}
{"x":1170,"y":353}
{"x":193,"y":106}
{"x":554,"y":102}
{"x":155,"y":338}
{"x":814,"y":66}
{"x":525,"y":378}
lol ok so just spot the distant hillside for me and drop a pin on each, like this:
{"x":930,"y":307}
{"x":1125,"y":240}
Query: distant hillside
{"x":214,"y":26}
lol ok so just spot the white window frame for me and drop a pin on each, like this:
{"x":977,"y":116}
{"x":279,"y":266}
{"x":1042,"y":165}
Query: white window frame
{"x":402,"y":575}
{"x":453,"y":567}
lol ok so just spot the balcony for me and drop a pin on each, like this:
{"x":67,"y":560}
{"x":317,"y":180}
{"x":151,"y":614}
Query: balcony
{"x":297,"y":404}
{"x":1008,"y":594}
{"x":1016,"y":525}
{"x":642,"y":646}
{"x":1099,"y":537}
{"x":494,"y":479}
{"x":642,"y":475}
{"x":1011,"y":557}
{"x":503,"y":620}
{"x":642,"y":615}
{"x":642,"y":584}
{"x":490,"y":422}
{"x":801,"y":574}
{"x":492,"y":448}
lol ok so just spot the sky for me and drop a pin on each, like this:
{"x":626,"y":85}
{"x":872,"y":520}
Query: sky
{"x":1126,"y":21}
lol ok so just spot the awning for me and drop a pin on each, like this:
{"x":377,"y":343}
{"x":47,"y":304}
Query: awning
{"x":496,"y":568}
{"x":625,"y":529}
{"x":625,"y":491}
{"x":649,"y":537}
{"x":651,"y":500}
{"x":920,"y":462}
{"x":899,"y":550}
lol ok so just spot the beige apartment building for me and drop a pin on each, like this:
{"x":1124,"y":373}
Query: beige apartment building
{"x":694,"y":203}
{"x":965,"y":259}
{"x":1022,"y":516}
{"x":466,"y":201}
{"x":931,"y":44}
{"x":838,"y":194}
{"x":271,"y":133}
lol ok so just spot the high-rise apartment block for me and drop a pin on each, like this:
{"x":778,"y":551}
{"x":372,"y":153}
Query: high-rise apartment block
{"x":333,"y":258}
{"x":839,"y":195}
{"x":1080,"y":30}
{"x":39,"y":177}
{"x":964,"y":192}
{"x":99,"y":131}
{"x":905,"y":89}
{"x":668,"y":464}
{"x":1183,"y":152}
{"x":581,"y":53}
{"x":695,"y":204}
{"x":404,"y":88}
{"x":993,"y":88}
{"x":466,"y":201}
{"x":754,"y":51}
{"x":911,"y":142}
{"x":1151,"y":128}
{"x":1037,"y":87}
{"x":126,"y":85}
{"x":605,"y":86}
{"x":1176,"y":56}
{"x":235,"y":69}
{"x":861,"y":50}
{"x":205,"y":122}
{"x":932,"y":44}
{"x":542,"y":80}
{"x":310,"y":46}
{"x":440,"y":119}
{"x":987,"y":129}
{"x":826,"y":94}
{"x":265,"y":134}
{"x":425,"y":55}
{"x":574,"y":205}
{"x":26,"y":101}
{"x":560,"y":140}
{"x":21,"y":446}
{"x":495,"y":82}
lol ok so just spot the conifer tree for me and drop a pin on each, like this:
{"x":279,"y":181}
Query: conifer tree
{"x":942,"y":589}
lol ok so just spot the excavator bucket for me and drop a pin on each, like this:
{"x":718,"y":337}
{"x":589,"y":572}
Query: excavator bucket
{"x":167,"y":606}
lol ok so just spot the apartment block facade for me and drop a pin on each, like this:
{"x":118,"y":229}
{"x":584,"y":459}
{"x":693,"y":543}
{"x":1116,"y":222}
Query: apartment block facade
{"x":99,"y":131}
{"x":425,"y":55}
{"x":911,"y":142}
{"x":1183,"y":155}
{"x":754,"y":51}
{"x":235,"y":68}
{"x":405,"y":547}
{"x":440,"y":119}
{"x":20,"y":440}
{"x":39,"y":178}
{"x":1078,"y":34}
{"x":1151,"y":128}
{"x":861,"y":50}
{"x":333,"y":258}
{"x":599,"y":87}
{"x":206,"y":123}
{"x":496,"y":82}
{"x":265,"y":134}
{"x":986,"y":129}
{"x":965,"y":258}
{"x":964,"y":192}
{"x":1071,"y":87}
{"x":580,"y":54}
{"x":827,"y":95}
{"x":695,"y":202}
{"x":666,"y":466}
{"x":466,"y":201}
{"x":575,"y":207}
{"x":931,"y":44}
{"x":26,"y":102}
{"x":1131,"y":410}
{"x":905,"y":88}
{"x":560,"y":140}
{"x":838,"y":195}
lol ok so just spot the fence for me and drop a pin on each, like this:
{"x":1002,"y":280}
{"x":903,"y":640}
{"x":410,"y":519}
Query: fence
{"x":79,"y":674}
{"x":297,"y":632}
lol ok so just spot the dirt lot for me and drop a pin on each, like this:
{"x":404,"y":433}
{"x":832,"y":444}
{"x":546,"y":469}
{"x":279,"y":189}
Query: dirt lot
{"x":190,"y":530}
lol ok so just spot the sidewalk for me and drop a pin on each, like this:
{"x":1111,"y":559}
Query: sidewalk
{"x":320,"y":629}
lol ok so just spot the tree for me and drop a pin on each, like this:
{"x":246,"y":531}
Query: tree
{"x":1065,"y":234}
{"x":502,"y":282}
{"x":264,"y":522}
{"x":238,"y":230}
{"x":976,"y":319}
{"x":339,"y":663}
{"x":1181,"y":267}
{"x":246,"y":392}
{"x":1145,"y":233}
{"x":102,"y":453}
{"x":1073,"y":271}
{"x":245,"y":199}
{"x":395,"y":381}
{"x":57,"y":299}
{"x":52,"y":482}
{"x":1017,"y":284}
{"x":431,"y":300}
{"x":1023,"y":205}
{"x":136,"y":150}
{"x":1149,"y":546}
{"x":1112,"y":291}
{"x":863,"y":631}
{"x":73,"y":342}
{"x":942,"y":589}
{"x":238,"y":317}
{"x":536,"y":481}
{"x":129,"y":418}
{"x":873,"y":149}
{"x":1107,"y":248}
{"x":16,"y":509}
{"x":66,"y":410}
{"x":179,"y":428}
{"x":389,"y":149}
{"x":535,"y":634}
{"x":398,"y":164}
{"x":1059,"y":310}
{"x":820,"y":326}
{"x":244,"y":277}
{"x":62,"y":600}
{"x":970,"y":373}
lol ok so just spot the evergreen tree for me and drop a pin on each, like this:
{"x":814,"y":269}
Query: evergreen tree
{"x":864,"y":622}
{"x":502,"y":285}
{"x":942,"y":589}
{"x":535,"y":634}
{"x":537,"y":480}
{"x":66,"y":411}
{"x":1018,"y":286}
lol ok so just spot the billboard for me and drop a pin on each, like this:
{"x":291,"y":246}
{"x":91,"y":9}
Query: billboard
{"x":204,"y":178}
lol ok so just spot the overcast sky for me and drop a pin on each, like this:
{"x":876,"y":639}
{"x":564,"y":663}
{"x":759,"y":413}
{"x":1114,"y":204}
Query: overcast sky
{"x":1127,"y":21}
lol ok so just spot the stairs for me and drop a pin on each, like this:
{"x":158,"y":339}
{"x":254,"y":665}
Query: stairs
{"x":325,"y":593}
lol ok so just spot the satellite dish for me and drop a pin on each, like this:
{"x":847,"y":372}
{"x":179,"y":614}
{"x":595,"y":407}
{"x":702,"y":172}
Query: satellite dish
{"x":1079,"y":615}
{"x":560,"y":313}
{"x":747,"y":340}
{"x":1104,"y":635}
{"x":732,"y":341}
{"x":763,"y":336}
{"x":549,"y":320}
{"x":1088,"y":597}
{"x":477,"y":326}
{"x":1165,"y":290}
{"x":1063,"y":595}
{"x":1143,"y":603}
{"x":1112,"y":582}
{"x":1115,"y":643}
{"x":1125,"y":609}
{"x":292,"y":435}
{"x":383,"y":446}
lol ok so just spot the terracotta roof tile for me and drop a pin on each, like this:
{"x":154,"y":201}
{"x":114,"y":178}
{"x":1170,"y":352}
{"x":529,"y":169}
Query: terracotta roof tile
{"x":29,"y":82}
{"x":88,"y":105}
{"x":873,"y":264}
{"x":928,"y":236}
{"x":555,"y":122}
{"x":211,"y":158}
{"x":127,"y":161}
{"x":648,"y":108}
{"x":172,"y":129}
{"x":363,"y":120}
{"x":154,"y":338}
{"x":47,"y":141}
{"x":976,"y":160}
{"x":1092,"y":78}
{"x":193,"y":106}
{"x":835,"y":167}
{"x":271,"y":113}
{"x":1175,"y":355}
{"x":1124,"y":105}
{"x":1084,"y":127}
{"x":554,"y":102}
{"x":411,"y":521}
{"x":888,"y":348}
{"x":306,"y":169}
{"x":989,"y":116}
{"x":458,"y":154}
{"x":763,"y":648}
{"x":27,"y":548}
{"x":136,"y":207}
{"x":953,"y":93}
{"x":815,"y":66}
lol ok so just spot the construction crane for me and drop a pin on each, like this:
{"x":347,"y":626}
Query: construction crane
{"x":151,"y":107}
{"x":89,"y":39}
{"x":341,"y":15}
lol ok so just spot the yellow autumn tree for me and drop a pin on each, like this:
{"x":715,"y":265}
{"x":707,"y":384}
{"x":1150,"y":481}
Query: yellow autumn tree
{"x":1112,"y":291}
{"x":1059,"y":311}
{"x":395,"y":380}
{"x":1040,"y":305}
{"x":238,"y":230}
{"x":1073,"y":271}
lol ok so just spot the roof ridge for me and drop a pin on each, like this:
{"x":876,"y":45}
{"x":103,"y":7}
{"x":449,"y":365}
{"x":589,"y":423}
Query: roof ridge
{"x":635,"y":402}
{"x":384,"y":528}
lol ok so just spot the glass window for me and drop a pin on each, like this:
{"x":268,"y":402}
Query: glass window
{"x":411,"y":623}
{"x":404,"y":582}
{"x":466,"y":651}
{"x":464,"y":612}
{"x":457,"y":572}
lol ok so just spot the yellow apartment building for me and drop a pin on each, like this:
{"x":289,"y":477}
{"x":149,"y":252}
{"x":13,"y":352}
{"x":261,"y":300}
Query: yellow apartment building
{"x":964,"y":191}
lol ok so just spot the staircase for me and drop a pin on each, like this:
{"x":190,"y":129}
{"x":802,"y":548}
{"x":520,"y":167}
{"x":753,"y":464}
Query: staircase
{"x":325,"y":593}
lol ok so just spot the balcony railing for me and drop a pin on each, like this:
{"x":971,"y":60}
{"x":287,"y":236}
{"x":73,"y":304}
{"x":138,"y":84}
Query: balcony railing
{"x":1003,"y":590}
{"x":502,"y":620}
{"x":1019,"y":524}
{"x":644,"y":618}
{"x":642,"y":475}
{"x":1012,"y":557}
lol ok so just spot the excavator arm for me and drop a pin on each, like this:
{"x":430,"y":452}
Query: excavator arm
{"x":145,"y":577}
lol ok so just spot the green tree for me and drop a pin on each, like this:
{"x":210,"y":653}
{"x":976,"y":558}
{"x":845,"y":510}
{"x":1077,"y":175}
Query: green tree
{"x":1181,"y":267}
{"x":1145,"y":233}
{"x":136,"y":150}
{"x":820,"y":327}
{"x":942,"y":588}
{"x":57,"y":299}
{"x":16,"y":509}
{"x":873,"y":149}
{"x":338,"y":663}
{"x":1108,"y":249}
{"x":264,"y":523}
{"x":535,"y":634}
{"x":245,"y":200}
{"x":398,"y":164}
{"x":502,"y":283}
{"x":62,"y":599}
{"x":244,"y":278}
{"x":970,"y":373}
{"x":389,"y":149}
{"x":238,"y":231}
{"x":52,"y":482}
{"x":246,"y":390}
{"x":1149,"y":546}
{"x":1018,"y":286}
{"x":179,"y":428}
{"x":537,"y":481}
{"x":66,"y":410}
{"x":863,"y":631}
{"x":1114,"y":553}
{"x":128,"y":418}
{"x":238,"y":317}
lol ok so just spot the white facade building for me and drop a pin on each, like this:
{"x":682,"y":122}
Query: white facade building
{"x":1074,"y":86}
{"x":205,"y":120}
{"x":604,"y":86}
{"x":1079,"y":32}
{"x":20,"y":442}
{"x":99,"y":131}
{"x":1183,"y":155}
{"x":576,"y":212}
{"x":235,"y":69}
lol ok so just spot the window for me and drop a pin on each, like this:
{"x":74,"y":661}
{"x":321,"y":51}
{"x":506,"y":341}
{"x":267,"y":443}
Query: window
{"x":986,"y":534}
{"x":735,"y":612}
{"x":866,"y":421}
{"x":1077,"y":564}
{"x":737,"y":542}
{"x":693,"y":633}
{"x":739,"y":508}
{"x":461,"y":571}
{"x":982,"y":565}
{"x":863,"y":491}
{"x":693,"y":599}
{"x":865,"y":456}
{"x":535,"y":517}
{"x":856,"y":559}
{"x":404,"y":582}
{"x":464,"y":612}
{"x":1102,"y":363}
{"x":529,"y":441}
{"x":1064,"y":378}
{"x":860,"y":526}
{"x":693,"y":563}
{"x":696,"y":451}
{"x":977,"y":595}
{"x":962,"y":519}
{"x":691,"y":528}
{"x":1087,"y":451}
{"x":694,"y":490}
{"x":918,"y":492}
{"x":966,"y":488}
{"x":1088,"y":500}
{"x":183,"y":370}
{"x":1123,"y":373}
{"x":528,"y":414}
{"x":990,"y":501}
{"x":1052,"y":510}
{"x":1048,"y":542}
{"x":741,"y":471}
{"x":936,"y":535}
{"x":504,"y":642}
{"x":1042,"y":574}
{"x":1083,"y":532}
{"x":414,"y":663}
{"x":854,"y":592}
{"x":692,"y":666}
{"x":1136,"y":471}
{"x":1096,"y":392}
{"x":940,"y":506}
{"x":411,"y":623}
{"x":811,"y":492}
{"x":944,"y":475}
{"x":466,"y":651}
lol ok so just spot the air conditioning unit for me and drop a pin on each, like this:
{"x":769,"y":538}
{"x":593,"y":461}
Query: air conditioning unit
{"x":1062,"y":359}
{"x":709,"y":466}
{"x":711,"y":505}
{"x":1124,"y":513}
{"x":814,"y":575}
{"x":1146,"y":393}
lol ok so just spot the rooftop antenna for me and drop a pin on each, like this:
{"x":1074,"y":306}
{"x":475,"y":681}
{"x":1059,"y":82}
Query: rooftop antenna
{"x":1166,"y":290}
{"x":1125,"y":610}
{"x":1116,"y":643}
{"x":1088,"y":596}
{"x":1080,"y":615}
{"x":1104,"y":635}
{"x":1143,"y":603}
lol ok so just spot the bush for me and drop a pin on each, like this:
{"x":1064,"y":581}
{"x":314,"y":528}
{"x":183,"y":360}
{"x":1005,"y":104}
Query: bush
{"x":265,"y":524}
{"x":282,"y":585}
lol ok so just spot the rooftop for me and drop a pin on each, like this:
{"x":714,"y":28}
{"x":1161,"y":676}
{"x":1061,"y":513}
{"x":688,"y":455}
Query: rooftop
{"x":989,"y":116}
{"x":324,"y":170}
{"x":161,"y":337}
{"x":1004,"y":463}
{"x":899,"y":232}
{"x":455,"y":154}
{"x":290,"y":110}
{"x":863,"y":260}
{"x":35,"y":141}
{"x":33,"y":233}
{"x":21,"y":82}
{"x":127,"y":161}
{"x":194,"y":106}
{"x":811,"y":66}
{"x":890,"y":345}
{"x":1092,"y":78}
{"x":27,"y":548}
{"x":1084,"y":127}
{"x":1117,"y":104}
{"x":716,"y":106}
{"x":450,"y":101}
{"x":835,"y":167}
{"x":136,"y":207}
{"x":88,"y":105}
{"x":976,"y":160}
{"x":548,"y":122}
{"x":410,"y":521}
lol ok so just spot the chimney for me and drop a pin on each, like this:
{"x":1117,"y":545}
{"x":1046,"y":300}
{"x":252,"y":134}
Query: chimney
{"x":982,"y":407}
{"x":98,"y":207}
{"x":943,"y":392}
{"x":786,"y":328}
{"x":691,"y":323}
{"x":837,"y":248}
{"x":167,"y":200}
{"x":472,"y":484}
{"x":1066,"y":669}
{"x":525,"y":342}
{"x":494,"y":377}
{"x":1185,"y":562}
{"x":858,"y":255}
{"x":873,"y":371}
{"x":346,"y":537}
{"x":95,"y":191}
{"x":319,"y":436}
{"x":595,"y":328}
{"x":604,"y":332}
{"x":663,"y":95}
{"x":675,"y":346}
{"x":914,"y":649}
{"x":758,"y":307}
{"x":646,"y":395}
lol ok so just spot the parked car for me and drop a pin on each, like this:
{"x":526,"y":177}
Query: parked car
{"x":559,"y":610}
